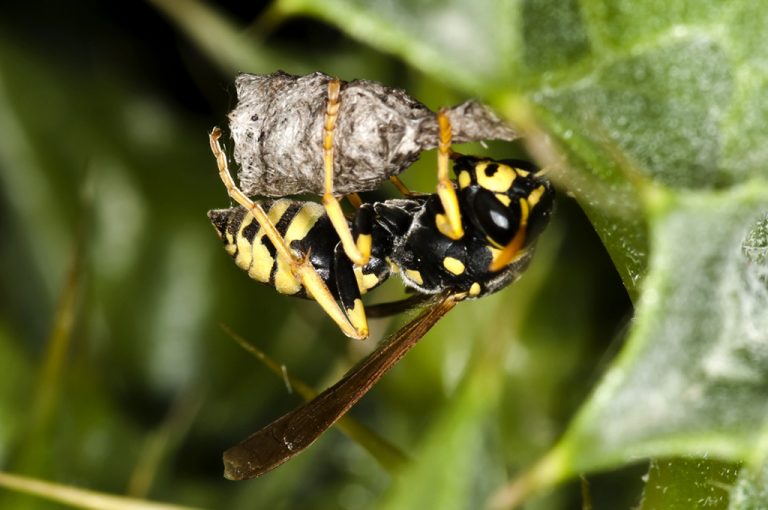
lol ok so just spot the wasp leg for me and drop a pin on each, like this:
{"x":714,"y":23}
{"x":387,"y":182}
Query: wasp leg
{"x":349,"y":292}
{"x":401,"y":187}
{"x":301,"y":268}
{"x":449,"y":224}
{"x":355,"y":252}
{"x":515,"y":246}
{"x":363,"y":228}
{"x":355,"y":200}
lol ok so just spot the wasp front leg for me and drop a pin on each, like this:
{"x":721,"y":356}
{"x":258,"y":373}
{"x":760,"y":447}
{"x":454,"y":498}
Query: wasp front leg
{"x":356,"y":252}
{"x":449,"y":224}
{"x":300,"y":267}
{"x":348,"y":289}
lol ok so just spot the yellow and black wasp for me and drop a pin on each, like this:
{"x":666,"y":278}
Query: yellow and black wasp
{"x":472,"y":237}
{"x":321,"y":135}
{"x":504,"y":203}
{"x":295,"y":248}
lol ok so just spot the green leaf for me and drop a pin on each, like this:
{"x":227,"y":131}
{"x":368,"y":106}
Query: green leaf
{"x":750,"y":492}
{"x":681,"y":484}
{"x":694,"y":375}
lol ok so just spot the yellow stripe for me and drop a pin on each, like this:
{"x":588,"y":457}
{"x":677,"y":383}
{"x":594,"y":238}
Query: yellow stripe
{"x":524,"y":211}
{"x":230,"y":247}
{"x":298,"y":229}
{"x":244,"y":257}
{"x":535,"y":196}
{"x":261,"y":266}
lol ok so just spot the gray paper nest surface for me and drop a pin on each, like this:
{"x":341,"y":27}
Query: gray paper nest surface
{"x":277,"y":129}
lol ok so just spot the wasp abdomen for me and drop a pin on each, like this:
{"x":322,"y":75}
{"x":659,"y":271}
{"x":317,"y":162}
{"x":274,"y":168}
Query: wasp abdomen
{"x":253,"y":252}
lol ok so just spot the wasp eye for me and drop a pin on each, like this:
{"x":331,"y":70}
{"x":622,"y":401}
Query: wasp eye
{"x":498,"y":222}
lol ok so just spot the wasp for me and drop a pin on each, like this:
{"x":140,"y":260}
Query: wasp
{"x":294,"y":246}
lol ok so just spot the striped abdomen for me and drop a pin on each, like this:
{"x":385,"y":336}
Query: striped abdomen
{"x":305,"y":228}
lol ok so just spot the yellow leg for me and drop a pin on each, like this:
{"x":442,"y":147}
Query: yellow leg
{"x":401,"y":187}
{"x":355,"y":251}
{"x":511,"y":250}
{"x":301,"y":268}
{"x":449,"y":224}
{"x":355,"y":200}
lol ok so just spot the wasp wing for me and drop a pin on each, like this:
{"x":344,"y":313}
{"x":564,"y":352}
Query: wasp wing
{"x":293,"y":432}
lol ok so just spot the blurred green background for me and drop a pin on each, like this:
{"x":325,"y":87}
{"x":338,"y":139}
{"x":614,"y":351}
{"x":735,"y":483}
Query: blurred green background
{"x":117,"y":376}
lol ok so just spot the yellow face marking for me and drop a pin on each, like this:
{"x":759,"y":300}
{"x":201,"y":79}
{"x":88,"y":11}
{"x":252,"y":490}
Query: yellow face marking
{"x":453,"y":265}
{"x":474,"y":290}
{"x":522,"y":173}
{"x":415,"y":276}
{"x":504,"y":199}
{"x":535,"y":196}
{"x":464,"y":179}
{"x":495,"y":176}
{"x":524,"y":209}
{"x":244,"y":257}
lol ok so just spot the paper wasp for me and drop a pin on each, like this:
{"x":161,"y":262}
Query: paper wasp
{"x":501,"y":204}
{"x":471,"y":238}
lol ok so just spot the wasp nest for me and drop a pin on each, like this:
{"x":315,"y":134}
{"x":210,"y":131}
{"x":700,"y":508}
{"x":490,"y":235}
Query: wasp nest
{"x":277,"y":128}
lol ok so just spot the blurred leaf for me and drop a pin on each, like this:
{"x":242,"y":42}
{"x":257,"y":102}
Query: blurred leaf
{"x":218,"y":37}
{"x":448,"y":459}
{"x":693,"y":377}
{"x":681,"y":484}
{"x":79,"y":498}
{"x":750,"y":492}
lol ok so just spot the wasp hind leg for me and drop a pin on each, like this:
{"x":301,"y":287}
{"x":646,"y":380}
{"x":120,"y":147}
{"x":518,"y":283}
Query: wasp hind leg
{"x":356,"y":251}
{"x":348,"y":290}
{"x":449,"y":224}
{"x":301,"y":268}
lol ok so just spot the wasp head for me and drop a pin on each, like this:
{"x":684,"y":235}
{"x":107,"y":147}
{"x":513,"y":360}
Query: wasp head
{"x":501,"y":198}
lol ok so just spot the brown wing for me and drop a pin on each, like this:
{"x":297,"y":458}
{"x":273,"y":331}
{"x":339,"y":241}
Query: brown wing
{"x":296,"y":430}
